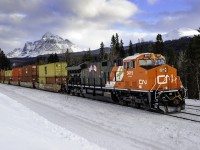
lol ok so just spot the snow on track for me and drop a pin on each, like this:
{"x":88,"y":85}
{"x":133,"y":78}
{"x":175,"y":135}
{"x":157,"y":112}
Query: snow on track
{"x":107,"y":125}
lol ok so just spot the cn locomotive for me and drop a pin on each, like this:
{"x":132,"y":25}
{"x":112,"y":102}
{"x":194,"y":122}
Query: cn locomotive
{"x":142,"y":80}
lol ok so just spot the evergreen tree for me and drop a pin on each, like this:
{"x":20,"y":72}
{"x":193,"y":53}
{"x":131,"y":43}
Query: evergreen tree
{"x":122,"y":52}
{"x":56,"y":59}
{"x":182,"y":66}
{"x":117,"y":46}
{"x":41,"y":60}
{"x":142,"y":46}
{"x":171,"y":58}
{"x":87,"y":56}
{"x":51,"y":58}
{"x":112,"y":54}
{"x":68,"y":57}
{"x":194,"y":57}
{"x":4,"y":61}
{"x":159,"y":44}
{"x":102,"y":52}
{"x":137,"y":48}
{"x":150,"y":48}
{"x":130,"y":49}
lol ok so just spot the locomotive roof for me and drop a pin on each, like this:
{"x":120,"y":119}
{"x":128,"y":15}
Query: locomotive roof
{"x":135,"y":56}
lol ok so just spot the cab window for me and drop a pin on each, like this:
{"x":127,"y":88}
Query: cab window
{"x":146,"y":62}
{"x":132,"y":64}
{"x":160,"y":61}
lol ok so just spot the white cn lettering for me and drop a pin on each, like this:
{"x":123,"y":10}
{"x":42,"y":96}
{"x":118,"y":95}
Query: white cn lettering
{"x":143,"y":82}
{"x":162,"y":79}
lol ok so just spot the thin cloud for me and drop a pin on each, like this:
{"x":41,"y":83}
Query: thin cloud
{"x":152,"y":2}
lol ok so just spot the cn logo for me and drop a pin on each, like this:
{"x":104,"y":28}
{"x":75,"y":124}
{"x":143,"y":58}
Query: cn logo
{"x":143,"y":82}
{"x":162,"y":79}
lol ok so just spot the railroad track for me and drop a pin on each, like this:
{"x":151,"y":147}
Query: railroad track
{"x":193,"y":106}
{"x":187,"y":116}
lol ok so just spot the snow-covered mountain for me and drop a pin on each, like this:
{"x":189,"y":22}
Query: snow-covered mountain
{"x":48,"y":44}
{"x":179,"y":33}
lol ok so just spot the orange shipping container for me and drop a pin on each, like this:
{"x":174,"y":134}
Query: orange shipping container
{"x":2,"y":75}
{"x":16,"y":74}
{"x":29,"y":73}
{"x":55,"y":80}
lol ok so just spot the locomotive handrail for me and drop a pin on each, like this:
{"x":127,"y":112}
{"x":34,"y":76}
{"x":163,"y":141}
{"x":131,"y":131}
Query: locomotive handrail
{"x":153,"y":85}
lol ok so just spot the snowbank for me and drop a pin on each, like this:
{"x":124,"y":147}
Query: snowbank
{"x":22,"y":129}
{"x":192,"y":102}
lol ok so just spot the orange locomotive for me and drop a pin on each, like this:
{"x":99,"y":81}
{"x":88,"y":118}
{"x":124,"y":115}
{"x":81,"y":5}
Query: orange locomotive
{"x":142,"y":80}
{"x":145,"y":79}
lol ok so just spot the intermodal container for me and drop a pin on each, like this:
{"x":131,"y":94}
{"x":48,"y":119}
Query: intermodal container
{"x":16,"y":74}
{"x":52,"y":73}
{"x":2,"y":76}
{"x":29,"y":73}
{"x":8,"y":75}
{"x":57,"y":80}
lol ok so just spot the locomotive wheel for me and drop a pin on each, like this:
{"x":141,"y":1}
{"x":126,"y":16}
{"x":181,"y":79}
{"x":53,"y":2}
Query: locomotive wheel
{"x":183,"y":107}
{"x":179,"y":109}
{"x":114,"y":98}
{"x":137,"y":105}
{"x":124,"y":103}
{"x":83,"y":95}
{"x":165,"y":111}
{"x":68,"y":91}
{"x":147,"y":107}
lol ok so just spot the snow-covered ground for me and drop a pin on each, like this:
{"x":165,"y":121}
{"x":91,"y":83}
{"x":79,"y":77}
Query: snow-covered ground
{"x":34,"y":119}
{"x":22,"y":129}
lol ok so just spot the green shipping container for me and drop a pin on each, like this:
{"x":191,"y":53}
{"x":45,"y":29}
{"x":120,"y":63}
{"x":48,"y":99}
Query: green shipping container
{"x":52,"y":70}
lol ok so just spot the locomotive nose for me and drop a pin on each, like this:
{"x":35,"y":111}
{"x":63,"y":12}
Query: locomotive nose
{"x":166,"y":78}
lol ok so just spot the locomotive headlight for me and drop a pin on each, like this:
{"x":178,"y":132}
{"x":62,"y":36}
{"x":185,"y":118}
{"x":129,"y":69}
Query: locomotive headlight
{"x":166,"y":88}
{"x":165,"y":69}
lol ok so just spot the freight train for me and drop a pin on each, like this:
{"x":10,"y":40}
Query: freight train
{"x":142,"y":80}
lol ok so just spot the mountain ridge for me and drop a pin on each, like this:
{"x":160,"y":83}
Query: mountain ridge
{"x":179,"y":33}
{"x":48,"y":44}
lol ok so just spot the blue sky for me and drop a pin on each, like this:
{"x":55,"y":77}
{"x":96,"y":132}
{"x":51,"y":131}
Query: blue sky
{"x":87,"y":23}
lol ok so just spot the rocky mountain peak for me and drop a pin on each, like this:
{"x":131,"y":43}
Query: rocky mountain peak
{"x":48,"y":44}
